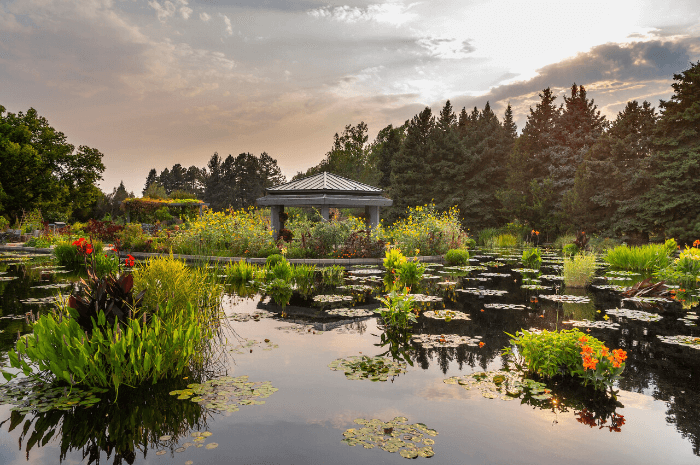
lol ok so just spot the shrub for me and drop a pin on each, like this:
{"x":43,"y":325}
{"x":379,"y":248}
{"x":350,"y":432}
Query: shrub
{"x":569,"y":250}
{"x":685,"y":270}
{"x":563,"y":240}
{"x":361,"y":244}
{"x":532,"y":258}
{"x":457,"y":257}
{"x":486,"y":234}
{"x":133,"y":238}
{"x":274,"y":259}
{"x":393,"y":258}
{"x":279,"y":290}
{"x":103,"y":230}
{"x":304,"y":278}
{"x":425,"y":230}
{"x":650,"y":257}
{"x":502,"y":241}
{"x":602,"y":245}
{"x":4,"y":223}
{"x":579,"y":270}
{"x":568,"y":352}
{"x":410,"y":273}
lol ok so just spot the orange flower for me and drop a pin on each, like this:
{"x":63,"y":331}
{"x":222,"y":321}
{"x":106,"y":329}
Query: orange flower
{"x":583,"y":339}
{"x":620,"y":355}
{"x":482,"y":344}
{"x":696,"y":243}
{"x":604,"y":351}
{"x":586,"y":350}
{"x":589,"y":362}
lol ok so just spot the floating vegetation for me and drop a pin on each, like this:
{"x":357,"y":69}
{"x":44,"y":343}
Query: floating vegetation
{"x":425,"y":298}
{"x":483,"y":257}
{"x":690,"y":319}
{"x":367,"y":271}
{"x":358,"y":367}
{"x":226,"y":394}
{"x":364,"y":267}
{"x":475,"y":291}
{"x":257,"y":315}
{"x":647,"y":300}
{"x":299,"y":329}
{"x":610,"y":287}
{"x":248,"y":344}
{"x":356,"y":287}
{"x":552,"y":277}
{"x":333,"y":298}
{"x":478,"y":279}
{"x":7,"y":278}
{"x":633,"y":314}
{"x":26,"y":395}
{"x":40,"y":300}
{"x":525,"y":270}
{"x":393,"y":436}
{"x":501,"y":384}
{"x":447,"y":283}
{"x":496,"y":275}
{"x":53,"y":286}
{"x":535,"y":287}
{"x":531,"y":281}
{"x":351,"y":312}
{"x":614,"y":278}
{"x":494,"y":264}
{"x":465,"y":268}
{"x":688,"y":341}
{"x":592,"y":324}
{"x":506,"y":306}
{"x":554,"y":267}
{"x":431,"y":341}
{"x":447,"y":315}
{"x":623,"y":273}
{"x":198,"y":439}
{"x":569,"y":299}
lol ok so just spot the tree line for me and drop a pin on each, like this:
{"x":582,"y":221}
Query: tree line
{"x":569,"y":170}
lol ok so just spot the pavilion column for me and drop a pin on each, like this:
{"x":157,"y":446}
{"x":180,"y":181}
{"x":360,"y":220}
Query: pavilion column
{"x":372,"y":214}
{"x":325,"y":212}
{"x":275,"y":220}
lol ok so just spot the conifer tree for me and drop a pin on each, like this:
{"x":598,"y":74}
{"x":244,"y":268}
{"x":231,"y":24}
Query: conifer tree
{"x":673,"y":205}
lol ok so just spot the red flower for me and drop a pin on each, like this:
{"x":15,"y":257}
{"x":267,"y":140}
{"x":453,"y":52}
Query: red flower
{"x":129,"y":260}
{"x":482,"y":344}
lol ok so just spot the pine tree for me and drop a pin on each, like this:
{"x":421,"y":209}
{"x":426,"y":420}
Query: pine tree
{"x":384,"y":148}
{"x":446,"y":162}
{"x":150,"y":179}
{"x":508,"y":124}
{"x":673,"y":205}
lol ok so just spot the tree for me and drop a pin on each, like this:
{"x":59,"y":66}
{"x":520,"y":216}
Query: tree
{"x":384,"y":148}
{"x":673,"y":204}
{"x":150,"y":179}
{"x":39,"y":169}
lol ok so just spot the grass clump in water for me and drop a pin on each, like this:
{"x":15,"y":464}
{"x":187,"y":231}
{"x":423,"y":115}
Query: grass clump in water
{"x":650,"y":257}
{"x":579,"y":270}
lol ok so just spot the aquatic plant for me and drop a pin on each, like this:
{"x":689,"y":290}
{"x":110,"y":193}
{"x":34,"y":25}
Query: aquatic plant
{"x":226,"y":393}
{"x":280,"y":270}
{"x":393,"y":258}
{"x":332,"y":275}
{"x":279,"y":290}
{"x":532,"y":257}
{"x":650,"y":257}
{"x":304,"y":278}
{"x":502,"y":241}
{"x":240,"y":271}
{"x":274,"y":259}
{"x":567,"y":352}
{"x":579,"y":270}
{"x":393,"y":436}
{"x":457,"y":257}
{"x":397,"y":310}
{"x":358,"y":367}
{"x":684,"y":270}
{"x":409,"y":273}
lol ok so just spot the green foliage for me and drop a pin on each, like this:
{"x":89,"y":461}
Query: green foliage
{"x":457,"y":257}
{"x":4,"y":223}
{"x":671,"y":246}
{"x":333,"y":275}
{"x":684,"y":270}
{"x":155,"y":191}
{"x":579,"y":269}
{"x":171,"y":284}
{"x":41,"y":170}
{"x":568,"y":352}
{"x":563,"y":240}
{"x":651,"y":257}
{"x":410,"y":273}
{"x":281,"y":270}
{"x":569,"y":250}
{"x":240,"y":271}
{"x":393,"y":258}
{"x":112,"y":356}
{"x":279,"y":290}
{"x":601,"y":245}
{"x":304,"y":278}
{"x":397,"y":310}
{"x":502,"y":241}
{"x":532,"y":257}
{"x":133,"y":238}
{"x":273,"y":260}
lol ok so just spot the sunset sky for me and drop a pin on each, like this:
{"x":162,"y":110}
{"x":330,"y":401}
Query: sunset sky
{"x":159,"y":82}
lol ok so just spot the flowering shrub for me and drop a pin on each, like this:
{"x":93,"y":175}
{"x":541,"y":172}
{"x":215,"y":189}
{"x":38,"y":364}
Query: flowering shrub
{"x":244,"y":232}
{"x":424,"y":228}
{"x":568,"y":352}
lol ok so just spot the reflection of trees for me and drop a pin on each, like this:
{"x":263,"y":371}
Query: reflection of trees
{"x":116,"y":427}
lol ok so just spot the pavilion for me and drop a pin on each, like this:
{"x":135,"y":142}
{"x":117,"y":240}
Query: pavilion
{"x":324,"y":190}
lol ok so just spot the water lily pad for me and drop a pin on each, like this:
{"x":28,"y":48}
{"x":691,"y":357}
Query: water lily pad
{"x":364,"y":367}
{"x":165,"y":438}
{"x":507,"y":306}
{"x":447,"y":315}
{"x":484,"y":292}
{"x":161,"y":452}
{"x":602,"y":324}
{"x":257,"y":315}
{"x":687,"y":341}
{"x":569,"y":299}
{"x":430,"y":341}
{"x":500,"y":384}
{"x":633,"y":314}
{"x":408,"y":440}
{"x":226,"y":393}
{"x":351,"y":312}
{"x":211,"y":445}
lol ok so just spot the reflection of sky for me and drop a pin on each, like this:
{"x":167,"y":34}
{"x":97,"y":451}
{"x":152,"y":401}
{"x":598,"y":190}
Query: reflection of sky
{"x":172,"y":81}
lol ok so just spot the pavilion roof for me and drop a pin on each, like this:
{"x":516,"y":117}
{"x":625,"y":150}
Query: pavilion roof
{"x":324,"y":183}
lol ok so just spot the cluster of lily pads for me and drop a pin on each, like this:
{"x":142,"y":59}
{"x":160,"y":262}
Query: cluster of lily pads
{"x":333,"y":298}
{"x":25,"y":396}
{"x":226,"y":393}
{"x":393,"y":436}
{"x":569,"y":299}
{"x":501,"y":384}
{"x":507,"y":306}
{"x":247,"y":345}
{"x":633,"y":314}
{"x":358,"y":367}
{"x":601,"y":324}
{"x":690,"y":319}
{"x":198,"y":439}
{"x":257,"y":315}
{"x":535,"y":287}
{"x":484,"y":292}
{"x":431,"y":341}
{"x":687,"y":341}
{"x":351,"y":312}
{"x":299,"y":329}
{"x":447,"y":315}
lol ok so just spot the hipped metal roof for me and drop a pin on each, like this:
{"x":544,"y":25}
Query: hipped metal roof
{"x":324,"y":183}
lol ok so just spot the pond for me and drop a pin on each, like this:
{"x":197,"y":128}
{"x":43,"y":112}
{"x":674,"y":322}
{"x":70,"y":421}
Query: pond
{"x":279,"y":393}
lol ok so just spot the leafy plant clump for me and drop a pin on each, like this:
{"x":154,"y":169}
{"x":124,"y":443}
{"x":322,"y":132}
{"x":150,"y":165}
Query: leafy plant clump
{"x":333,"y":275}
{"x":279,"y":290}
{"x":457,"y":257}
{"x":650,"y":257}
{"x":567,"y":352}
{"x":397,"y":309}
{"x":226,"y":394}
{"x":240,"y":271}
{"x":410,"y":273}
{"x":579,"y":270}
{"x":684,"y":270}
{"x":532,"y":257}
{"x":393,"y":436}
{"x":358,"y":367}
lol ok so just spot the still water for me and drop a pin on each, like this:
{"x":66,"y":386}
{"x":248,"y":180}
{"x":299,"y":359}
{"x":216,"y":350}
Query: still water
{"x":656,"y":419}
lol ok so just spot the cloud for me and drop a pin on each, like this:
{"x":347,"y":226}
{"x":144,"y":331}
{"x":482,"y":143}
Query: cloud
{"x":227,"y":21}
{"x":168,"y":9}
{"x":204,"y":17}
{"x":185,"y":12}
{"x":394,"y":13}
{"x":447,"y":48}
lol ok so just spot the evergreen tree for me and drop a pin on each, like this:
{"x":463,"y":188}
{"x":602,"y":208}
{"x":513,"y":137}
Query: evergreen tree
{"x":447,"y":162}
{"x":384,"y":148}
{"x":150,"y":179}
{"x":673,"y":205}
{"x":508,"y":124}
{"x":408,"y":173}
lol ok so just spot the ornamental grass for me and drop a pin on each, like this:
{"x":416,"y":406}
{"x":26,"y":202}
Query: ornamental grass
{"x":579,"y":269}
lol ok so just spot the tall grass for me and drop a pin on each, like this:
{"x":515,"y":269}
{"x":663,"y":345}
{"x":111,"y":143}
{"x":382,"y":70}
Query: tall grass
{"x":240,"y":271}
{"x":502,"y":241}
{"x":579,"y":270}
{"x":650,"y":257}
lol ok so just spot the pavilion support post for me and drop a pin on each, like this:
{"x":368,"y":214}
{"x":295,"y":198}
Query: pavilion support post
{"x":275,"y":220}
{"x":325,"y":212}
{"x":372,"y":214}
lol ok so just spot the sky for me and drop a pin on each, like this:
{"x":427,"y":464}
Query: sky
{"x":151,"y":83}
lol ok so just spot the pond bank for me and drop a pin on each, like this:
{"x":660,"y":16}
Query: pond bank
{"x":201,"y":258}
